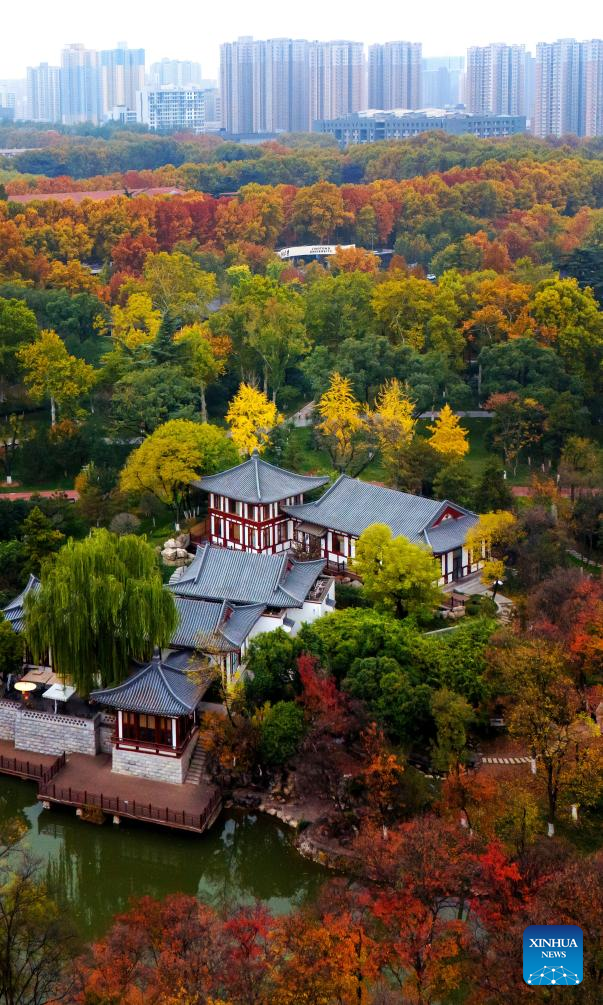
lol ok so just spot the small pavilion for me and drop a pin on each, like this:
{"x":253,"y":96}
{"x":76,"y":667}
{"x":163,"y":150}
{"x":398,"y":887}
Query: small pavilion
{"x":157,"y":721}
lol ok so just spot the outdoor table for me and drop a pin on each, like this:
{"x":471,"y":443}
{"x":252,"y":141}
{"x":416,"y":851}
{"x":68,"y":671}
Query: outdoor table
{"x":59,"y":692}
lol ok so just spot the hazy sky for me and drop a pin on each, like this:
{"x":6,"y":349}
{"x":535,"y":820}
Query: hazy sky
{"x":34,"y":30}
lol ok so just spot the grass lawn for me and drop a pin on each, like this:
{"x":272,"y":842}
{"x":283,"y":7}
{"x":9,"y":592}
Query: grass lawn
{"x":306,"y":458}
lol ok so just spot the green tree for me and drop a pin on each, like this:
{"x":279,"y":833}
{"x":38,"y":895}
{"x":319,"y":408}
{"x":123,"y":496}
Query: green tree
{"x":11,"y":648}
{"x":40,"y":539}
{"x":144,"y":399}
{"x":397,"y":575}
{"x":492,"y":491}
{"x":272,"y":674}
{"x":18,"y":327}
{"x":455,"y":482}
{"x":282,"y":730}
{"x":102,"y":604}
{"x":453,"y":716}
{"x":172,"y":457}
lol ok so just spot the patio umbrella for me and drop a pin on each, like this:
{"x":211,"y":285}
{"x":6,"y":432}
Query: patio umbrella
{"x":59,"y":692}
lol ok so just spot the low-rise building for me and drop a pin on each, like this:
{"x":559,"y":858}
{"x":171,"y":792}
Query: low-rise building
{"x":332,"y":525}
{"x":373,"y":125}
{"x":245,"y":509}
{"x":226,"y":597}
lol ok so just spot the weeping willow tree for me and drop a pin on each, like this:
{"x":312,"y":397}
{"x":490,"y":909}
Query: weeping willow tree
{"x":102,"y":604}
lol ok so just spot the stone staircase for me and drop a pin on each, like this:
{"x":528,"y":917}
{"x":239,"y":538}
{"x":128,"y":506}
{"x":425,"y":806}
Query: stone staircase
{"x":196,"y":770}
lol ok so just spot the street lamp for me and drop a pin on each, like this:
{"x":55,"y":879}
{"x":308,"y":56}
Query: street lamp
{"x":495,"y":587}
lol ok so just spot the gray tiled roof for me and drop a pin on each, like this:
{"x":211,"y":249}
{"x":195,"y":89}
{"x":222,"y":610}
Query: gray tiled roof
{"x":237,"y":627}
{"x":197,"y":619}
{"x":350,"y":506}
{"x":14,"y":612}
{"x":257,"y":481}
{"x":226,"y":626}
{"x":449,"y":534}
{"x":155,"y":689}
{"x":244,"y":577}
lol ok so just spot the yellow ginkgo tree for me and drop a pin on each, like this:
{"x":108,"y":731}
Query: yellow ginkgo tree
{"x":394,"y":425}
{"x":251,"y":417}
{"x":343,"y":426}
{"x":491,"y":538}
{"x":52,"y":374}
{"x":448,"y":438}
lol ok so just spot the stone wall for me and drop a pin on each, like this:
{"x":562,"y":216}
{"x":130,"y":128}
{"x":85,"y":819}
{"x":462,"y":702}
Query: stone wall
{"x":106,"y":730}
{"x":8,"y":715}
{"x":45,"y":733}
{"x":156,"y":767}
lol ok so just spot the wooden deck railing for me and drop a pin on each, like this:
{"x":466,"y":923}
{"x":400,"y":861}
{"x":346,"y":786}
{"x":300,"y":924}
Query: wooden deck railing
{"x":30,"y":769}
{"x":134,"y":809}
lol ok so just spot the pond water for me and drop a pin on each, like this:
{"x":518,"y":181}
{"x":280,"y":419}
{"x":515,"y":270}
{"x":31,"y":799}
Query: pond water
{"x":94,"y":870}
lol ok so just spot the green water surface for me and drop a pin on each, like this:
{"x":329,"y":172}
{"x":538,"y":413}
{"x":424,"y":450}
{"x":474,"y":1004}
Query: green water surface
{"x":93,"y":871}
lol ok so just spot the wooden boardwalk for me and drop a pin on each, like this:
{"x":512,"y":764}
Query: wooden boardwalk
{"x":27,"y":764}
{"x":86,"y":781}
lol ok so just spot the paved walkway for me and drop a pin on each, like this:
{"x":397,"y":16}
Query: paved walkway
{"x":506,"y":760}
{"x":71,"y":494}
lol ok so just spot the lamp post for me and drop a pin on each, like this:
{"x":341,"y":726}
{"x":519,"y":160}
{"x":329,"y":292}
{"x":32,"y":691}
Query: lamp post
{"x":495,"y":587}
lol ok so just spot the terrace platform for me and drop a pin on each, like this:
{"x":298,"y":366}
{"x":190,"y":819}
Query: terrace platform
{"x":86,"y":781}
{"x":25,"y":763}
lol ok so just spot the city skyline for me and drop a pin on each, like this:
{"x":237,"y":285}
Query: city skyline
{"x":445,"y":34}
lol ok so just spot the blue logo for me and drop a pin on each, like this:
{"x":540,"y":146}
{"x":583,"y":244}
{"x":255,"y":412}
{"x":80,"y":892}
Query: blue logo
{"x":552,"y":954}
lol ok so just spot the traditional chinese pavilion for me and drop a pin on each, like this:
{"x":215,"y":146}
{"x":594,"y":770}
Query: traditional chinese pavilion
{"x":331,"y":525}
{"x":156,"y":730}
{"x":246,"y":503}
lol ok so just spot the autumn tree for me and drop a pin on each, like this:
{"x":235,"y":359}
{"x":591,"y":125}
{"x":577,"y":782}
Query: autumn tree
{"x":492,"y":537}
{"x":452,"y":715}
{"x":394,"y":425}
{"x":172,"y":457}
{"x":397,"y":575}
{"x":581,"y":464}
{"x":51,"y":374}
{"x":343,"y":425}
{"x":176,"y":284}
{"x":251,"y":417}
{"x":545,"y":714}
{"x":206,"y":357}
{"x":137,"y":322}
{"x":448,"y":438}
{"x":517,"y":426}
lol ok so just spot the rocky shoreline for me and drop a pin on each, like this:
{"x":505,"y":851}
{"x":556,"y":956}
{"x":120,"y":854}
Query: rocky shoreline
{"x":305,"y":820}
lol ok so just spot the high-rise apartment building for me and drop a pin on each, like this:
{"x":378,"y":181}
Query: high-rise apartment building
{"x":496,"y":79}
{"x":560,"y":84}
{"x":170,"y":107}
{"x":180,"y":72}
{"x":442,"y":80}
{"x":394,"y":75}
{"x":121,"y":73}
{"x":80,"y":85}
{"x":593,"y":88}
{"x":44,"y":93}
{"x":283,"y":84}
{"x":337,"y":78}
